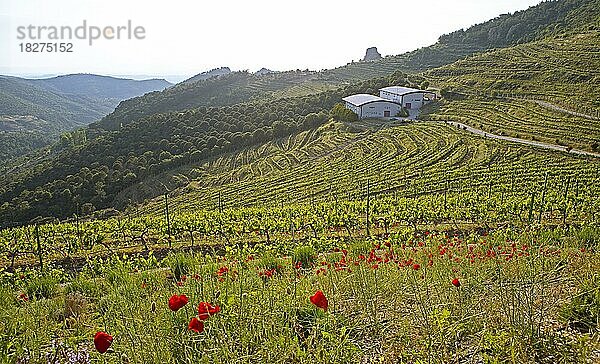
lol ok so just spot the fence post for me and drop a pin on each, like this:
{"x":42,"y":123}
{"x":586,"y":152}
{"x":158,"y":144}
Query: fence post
{"x":543,"y":198}
{"x":39,"y":247}
{"x":531,"y":208}
{"x":168,"y":218}
{"x":368,"y":204}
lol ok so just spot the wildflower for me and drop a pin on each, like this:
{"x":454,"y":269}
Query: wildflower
{"x":176,"y":302}
{"x":196,"y":325}
{"x":456,"y":282}
{"x":205,"y":310}
{"x":23,"y":297}
{"x":267,"y":273}
{"x":416,"y":266}
{"x":102,"y":341}
{"x":319,"y":300}
{"x":222,"y":271}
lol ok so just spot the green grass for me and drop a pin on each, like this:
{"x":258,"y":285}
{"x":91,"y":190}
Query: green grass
{"x":381,"y":308}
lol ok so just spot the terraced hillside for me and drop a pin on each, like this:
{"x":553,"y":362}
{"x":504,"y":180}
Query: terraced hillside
{"x":541,"y":91}
{"x":564,"y":71}
{"x":525,"y":119}
{"x":337,"y":161}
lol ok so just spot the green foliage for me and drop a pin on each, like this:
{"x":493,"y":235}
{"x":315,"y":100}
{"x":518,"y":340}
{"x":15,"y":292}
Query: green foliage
{"x":360,"y":247}
{"x":403,"y":112}
{"x":180,"y":263}
{"x":589,"y":237}
{"x":42,"y":287}
{"x":269,"y":261}
{"x":103,"y":168}
{"x":84,"y":286}
{"x":340,"y":113}
{"x":34,"y":113}
{"x":582,"y":312}
{"x":411,"y":314}
{"x":305,"y":255}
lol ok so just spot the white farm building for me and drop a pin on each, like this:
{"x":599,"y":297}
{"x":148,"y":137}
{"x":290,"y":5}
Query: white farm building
{"x":389,"y":103}
{"x":370,"y":106}
{"x":409,"y":98}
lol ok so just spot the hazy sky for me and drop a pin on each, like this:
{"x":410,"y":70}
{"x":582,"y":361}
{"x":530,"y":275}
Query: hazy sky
{"x":184,"y":37}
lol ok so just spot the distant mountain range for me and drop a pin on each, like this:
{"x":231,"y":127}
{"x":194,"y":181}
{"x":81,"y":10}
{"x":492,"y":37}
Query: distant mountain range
{"x":34,"y":112}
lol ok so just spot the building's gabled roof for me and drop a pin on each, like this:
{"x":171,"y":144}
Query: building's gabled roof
{"x":399,"y":90}
{"x":361,"y":99}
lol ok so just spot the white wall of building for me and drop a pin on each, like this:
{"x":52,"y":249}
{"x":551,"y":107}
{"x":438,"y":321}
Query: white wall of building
{"x":390,"y":96}
{"x":378,"y":109}
{"x":354,"y":108}
{"x":413,"y":101}
{"x":416,"y":100}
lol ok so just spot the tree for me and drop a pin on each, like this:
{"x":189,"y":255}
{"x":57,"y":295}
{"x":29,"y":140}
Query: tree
{"x":341,"y":113}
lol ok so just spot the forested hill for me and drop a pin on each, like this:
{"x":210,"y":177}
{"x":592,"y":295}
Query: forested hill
{"x":91,"y":174}
{"x":547,"y":18}
{"x":101,"y":87}
{"x":150,"y":137}
{"x":34,"y":112}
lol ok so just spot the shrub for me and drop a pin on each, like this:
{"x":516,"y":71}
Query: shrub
{"x":180,"y":264}
{"x":340,"y":113}
{"x":269,"y":262}
{"x":42,"y":287}
{"x":403,"y":112}
{"x":304,"y":255}
{"x":85,"y":287}
{"x":360,"y":247}
{"x":583,"y":311}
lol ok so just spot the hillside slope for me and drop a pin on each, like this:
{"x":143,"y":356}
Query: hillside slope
{"x":97,"y":170}
{"x":142,"y":156}
{"x":502,"y":91}
{"x":547,"y":18}
{"x":101,"y":87}
{"x":33,"y":113}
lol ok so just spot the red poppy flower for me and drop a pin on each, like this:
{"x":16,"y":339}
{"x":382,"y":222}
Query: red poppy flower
{"x":416,"y":266}
{"x":222,"y":271}
{"x":196,"y":325}
{"x":456,"y":282}
{"x":176,"y":302}
{"x":23,"y":297}
{"x":102,"y":341}
{"x":319,"y":300}
{"x":205,"y":310}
